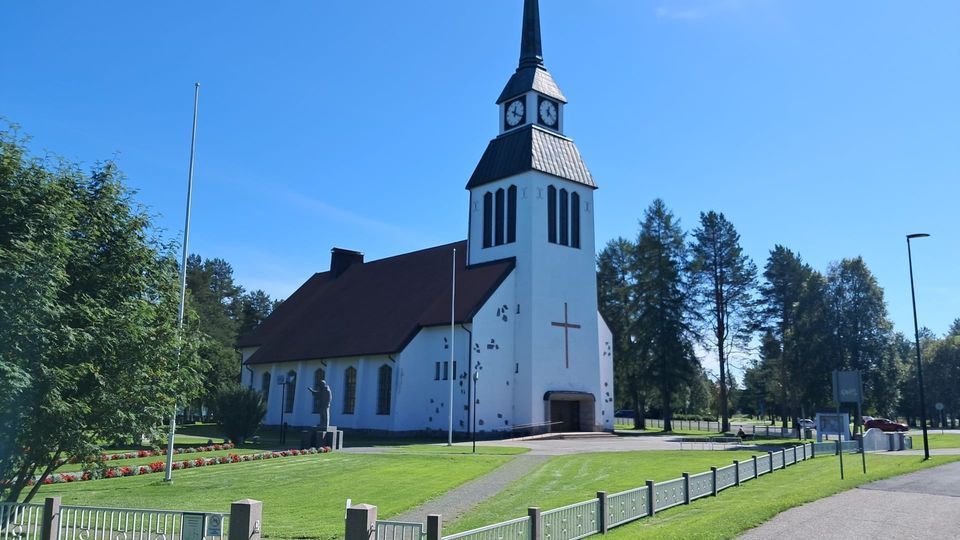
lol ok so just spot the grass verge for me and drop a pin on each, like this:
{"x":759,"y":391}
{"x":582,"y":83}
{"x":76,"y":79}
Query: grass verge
{"x":303,"y":497}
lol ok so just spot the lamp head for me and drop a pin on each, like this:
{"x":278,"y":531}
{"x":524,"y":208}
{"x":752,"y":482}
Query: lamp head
{"x":917,"y":235}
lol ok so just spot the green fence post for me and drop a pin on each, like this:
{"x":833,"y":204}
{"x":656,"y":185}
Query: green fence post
{"x":686,"y":488}
{"x":652,"y":508}
{"x":736,"y":469}
{"x":713,"y":471}
{"x":604,"y":511}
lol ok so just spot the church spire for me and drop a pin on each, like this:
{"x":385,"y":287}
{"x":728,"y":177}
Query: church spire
{"x":531,"y":74}
{"x":531,"y":51}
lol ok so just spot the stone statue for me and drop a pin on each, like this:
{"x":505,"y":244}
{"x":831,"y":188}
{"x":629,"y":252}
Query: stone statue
{"x":323,"y":391}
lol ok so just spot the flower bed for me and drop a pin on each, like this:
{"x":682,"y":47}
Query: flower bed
{"x":163,"y":452}
{"x":160,"y":466}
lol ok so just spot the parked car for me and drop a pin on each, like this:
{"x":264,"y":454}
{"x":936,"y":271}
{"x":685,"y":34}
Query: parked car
{"x":884,"y":424}
{"x":625,"y":413}
{"x":807,"y":423}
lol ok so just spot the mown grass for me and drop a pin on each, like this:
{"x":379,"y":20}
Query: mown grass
{"x":303,"y":497}
{"x":568,"y":479}
{"x":738,"y":509}
{"x":937,"y":440}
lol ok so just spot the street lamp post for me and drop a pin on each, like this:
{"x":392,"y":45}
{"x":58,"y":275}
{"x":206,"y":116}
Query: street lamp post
{"x":916,"y":332}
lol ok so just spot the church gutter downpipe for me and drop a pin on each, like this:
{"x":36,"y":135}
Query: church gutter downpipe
{"x":183,"y":277}
{"x":453,"y":303}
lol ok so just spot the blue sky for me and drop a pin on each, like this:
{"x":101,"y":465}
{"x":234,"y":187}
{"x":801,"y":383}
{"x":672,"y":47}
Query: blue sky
{"x":832,"y":128}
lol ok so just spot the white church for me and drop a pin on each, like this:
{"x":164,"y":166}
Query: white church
{"x":531,"y":353}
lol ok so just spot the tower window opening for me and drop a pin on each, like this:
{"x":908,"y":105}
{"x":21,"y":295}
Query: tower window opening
{"x":487,"y":219}
{"x":512,"y":214}
{"x":564,"y":218}
{"x":551,"y":214}
{"x":498,"y":236}
{"x":575,"y":220}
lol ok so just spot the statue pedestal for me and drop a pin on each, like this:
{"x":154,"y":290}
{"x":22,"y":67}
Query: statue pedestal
{"x":317,"y":437}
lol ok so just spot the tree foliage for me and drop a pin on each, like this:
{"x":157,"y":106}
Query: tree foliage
{"x":88,"y":316}
{"x":239,"y":411}
{"x":723,"y":280}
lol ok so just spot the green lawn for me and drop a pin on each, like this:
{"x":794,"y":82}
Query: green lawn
{"x":740,"y":508}
{"x":946,"y":440}
{"x":303,"y":497}
{"x":568,"y":479}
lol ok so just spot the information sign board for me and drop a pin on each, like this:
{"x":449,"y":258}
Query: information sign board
{"x":191,"y":526}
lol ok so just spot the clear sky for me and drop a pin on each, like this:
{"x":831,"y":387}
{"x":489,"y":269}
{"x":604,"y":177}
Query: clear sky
{"x":832,"y":128}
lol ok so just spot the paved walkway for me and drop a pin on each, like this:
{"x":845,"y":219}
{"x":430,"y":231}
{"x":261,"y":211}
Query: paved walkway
{"x":458,"y":501}
{"x":924,"y":504}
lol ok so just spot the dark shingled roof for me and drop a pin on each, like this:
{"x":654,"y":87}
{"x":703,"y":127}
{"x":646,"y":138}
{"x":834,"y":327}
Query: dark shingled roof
{"x":531,"y":148}
{"x":375,"y":307}
{"x":531,"y":78}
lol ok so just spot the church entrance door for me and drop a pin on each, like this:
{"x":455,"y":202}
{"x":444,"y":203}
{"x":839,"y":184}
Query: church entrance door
{"x":564,"y":416}
{"x":567,"y":411}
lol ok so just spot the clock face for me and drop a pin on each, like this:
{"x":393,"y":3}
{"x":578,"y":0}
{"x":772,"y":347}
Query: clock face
{"x":548,"y":113}
{"x":514,"y":113}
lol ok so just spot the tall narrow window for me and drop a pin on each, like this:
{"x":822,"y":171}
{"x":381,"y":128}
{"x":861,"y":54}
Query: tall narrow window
{"x":564,"y":214}
{"x":446,"y":371}
{"x":551,"y":214}
{"x":512,"y":214}
{"x":487,"y":219}
{"x":349,"y":390}
{"x":383,"y":389}
{"x":291,"y":391}
{"x":575,"y":219}
{"x":498,"y":237}
{"x":436,"y":374}
{"x":265,"y":387}
{"x":319,"y":377}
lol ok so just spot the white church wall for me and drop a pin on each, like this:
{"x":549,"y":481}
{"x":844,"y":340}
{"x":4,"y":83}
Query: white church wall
{"x":605,"y":402}
{"x":547,"y":276}
{"x":422,"y":400}
{"x":494,"y":356}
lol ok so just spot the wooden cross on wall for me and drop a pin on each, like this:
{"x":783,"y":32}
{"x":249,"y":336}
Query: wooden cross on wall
{"x":566,"y":325}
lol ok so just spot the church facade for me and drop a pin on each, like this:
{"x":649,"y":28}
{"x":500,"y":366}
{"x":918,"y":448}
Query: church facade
{"x":530,"y":352}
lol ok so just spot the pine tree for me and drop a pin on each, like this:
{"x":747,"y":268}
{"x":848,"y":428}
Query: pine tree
{"x":662,"y":324}
{"x":723,"y":282}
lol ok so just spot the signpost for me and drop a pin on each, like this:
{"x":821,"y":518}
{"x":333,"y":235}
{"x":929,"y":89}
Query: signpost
{"x":939,"y":407}
{"x":848,"y":388}
{"x":214,"y":525}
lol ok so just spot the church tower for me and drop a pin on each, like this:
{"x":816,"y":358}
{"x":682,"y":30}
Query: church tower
{"x":531,"y":198}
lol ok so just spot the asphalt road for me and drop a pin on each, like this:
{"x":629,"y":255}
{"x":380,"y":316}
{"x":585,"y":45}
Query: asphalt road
{"x":923,"y":504}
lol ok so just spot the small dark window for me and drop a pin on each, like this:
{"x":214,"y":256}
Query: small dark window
{"x":383,"y":389}
{"x":349,"y":390}
{"x":319,"y":376}
{"x":265,"y":386}
{"x":575,"y":220}
{"x":512,"y":214}
{"x":454,"y":369}
{"x":487,"y":219}
{"x":446,"y":370}
{"x":436,"y":373}
{"x":564,"y":218}
{"x":551,"y":214}
{"x":516,"y":367}
{"x":291,"y":391}
{"x":498,"y":236}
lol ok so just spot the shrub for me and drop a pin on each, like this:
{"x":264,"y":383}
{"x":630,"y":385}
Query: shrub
{"x":239,"y":412}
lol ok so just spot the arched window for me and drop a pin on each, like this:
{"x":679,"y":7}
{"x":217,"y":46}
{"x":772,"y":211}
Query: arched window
{"x":564,"y":218}
{"x":575,"y":220}
{"x":349,"y":390}
{"x":512,"y":214}
{"x":265,"y":386}
{"x":487,"y":219}
{"x":319,"y":376}
{"x":498,"y":229}
{"x":551,"y":214}
{"x":291,"y":391}
{"x":383,"y":389}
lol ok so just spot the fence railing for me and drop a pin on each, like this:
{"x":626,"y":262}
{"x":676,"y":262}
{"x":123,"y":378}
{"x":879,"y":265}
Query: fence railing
{"x":400,"y":530}
{"x":753,"y":430}
{"x":95,"y":523}
{"x":53,"y":521}
{"x":20,"y":521}
{"x":597,"y":516}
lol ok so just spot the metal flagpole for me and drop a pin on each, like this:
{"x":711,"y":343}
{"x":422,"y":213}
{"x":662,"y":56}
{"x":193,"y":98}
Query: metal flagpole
{"x":183,"y":273}
{"x":452,"y":372}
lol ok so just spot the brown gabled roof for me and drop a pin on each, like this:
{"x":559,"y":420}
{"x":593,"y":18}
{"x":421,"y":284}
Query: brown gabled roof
{"x":375,"y":307}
